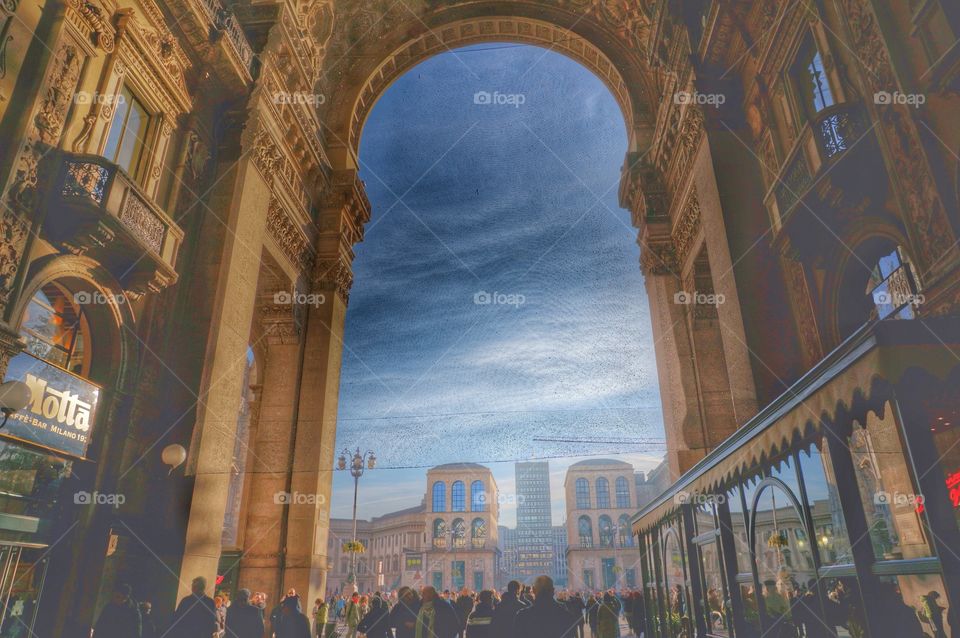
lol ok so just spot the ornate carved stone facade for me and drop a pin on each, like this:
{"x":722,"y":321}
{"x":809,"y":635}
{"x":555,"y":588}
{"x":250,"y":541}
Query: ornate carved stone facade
{"x":241,"y":193}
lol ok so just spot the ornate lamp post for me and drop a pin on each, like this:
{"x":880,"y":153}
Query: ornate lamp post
{"x":358,"y":464}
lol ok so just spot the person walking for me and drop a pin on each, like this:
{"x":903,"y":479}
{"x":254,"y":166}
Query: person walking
{"x":196,"y":615}
{"x":608,"y":617}
{"x":376,"y":624}
{"x":351,"y":615}
{"x":505,"y":614}
{"x":120,"y":617}
{"x":403,"y":616}
{"x":545,"y":618}
{"x":320,"y":615}
{"x":244,"y":619}
{"x":480,"y":619}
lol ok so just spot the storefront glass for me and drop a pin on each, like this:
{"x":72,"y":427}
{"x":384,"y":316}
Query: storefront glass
{"x":829,"y":523}
{"x":716,"y":607}
{"x":916,"y":603}
{"x":29,"y":492}
{"x":890,"y":501}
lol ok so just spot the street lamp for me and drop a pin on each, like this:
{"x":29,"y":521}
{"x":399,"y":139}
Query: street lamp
{"x":358,"y":464}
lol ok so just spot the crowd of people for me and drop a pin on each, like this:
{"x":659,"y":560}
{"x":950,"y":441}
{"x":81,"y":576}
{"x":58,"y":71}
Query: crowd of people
{"x":521,"y":611}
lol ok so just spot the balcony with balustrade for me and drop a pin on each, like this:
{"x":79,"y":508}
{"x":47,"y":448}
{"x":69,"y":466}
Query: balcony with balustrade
{"x":833,"y":165}
{"x":208,"y":24}
{"x":95,"y":208}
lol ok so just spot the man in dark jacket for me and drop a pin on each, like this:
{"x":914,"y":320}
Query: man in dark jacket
{"x":120,"y":618}
{"x":293,"y":624}
{"x":244,"y":620}
{"x":575,"y":607}
{"x":196,"y":615}
{"x":545,"y":618}
{"x":505,"y":614}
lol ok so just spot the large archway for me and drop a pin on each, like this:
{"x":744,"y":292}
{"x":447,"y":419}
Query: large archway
{"x":377,"y":44}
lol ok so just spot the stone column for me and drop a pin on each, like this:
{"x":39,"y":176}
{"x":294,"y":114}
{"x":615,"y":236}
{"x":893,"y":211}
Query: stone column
{"x":341,"y":220}
{"x":266,"y":503}
{"x":241,"y":200}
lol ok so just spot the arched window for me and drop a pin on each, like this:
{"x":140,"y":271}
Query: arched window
{"x":478,"y":497}
{"x":775,"y":515}
{"x":478,"y":532}
{"x":55,"y":328}
{"x":623,"y":492}
{"x":603,"y":493}
{"x":623,"y":527}
{"x":585,"y":530}
{"x":583,"y":494}
{"x":459,"y":529}
{"x":439,"y":496}
{"x":458,"y":497}
{"x":439,"y":533}
{"x":606,"y":531}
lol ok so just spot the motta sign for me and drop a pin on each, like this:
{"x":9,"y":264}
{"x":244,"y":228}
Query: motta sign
{"x":62,"y":406}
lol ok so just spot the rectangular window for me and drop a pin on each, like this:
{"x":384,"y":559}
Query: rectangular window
{"x":812,"y":85}
{"x":127,"y":136}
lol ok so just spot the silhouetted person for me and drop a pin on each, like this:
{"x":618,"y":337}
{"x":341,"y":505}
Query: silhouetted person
{"x":196,"y":615}
{"x":545,"y":618}
{"x":505,"y":615}
{"x":244,"y":619}
{"x":120,"y":617}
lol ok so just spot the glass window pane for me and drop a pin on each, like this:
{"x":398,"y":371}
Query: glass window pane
{"x":117,"y":125}
{"x":717,"y":603}
{"x":134,"y":135}
{"x":917,"y":604}
{"x":830,"y":527}
{"x":889,"y":499}
{"x":780,"y":565}
{"x":944,"y":410}
{"x":738,"y":523}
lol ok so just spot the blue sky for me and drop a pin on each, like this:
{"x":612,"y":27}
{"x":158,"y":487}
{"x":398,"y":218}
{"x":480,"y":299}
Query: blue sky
{"x":498,"y":298}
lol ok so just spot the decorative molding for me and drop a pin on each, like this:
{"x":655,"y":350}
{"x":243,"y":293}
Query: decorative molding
{"x":93,"y":21}
{"x":687,"y":228}
{"x":289,"y":237}
{"x":333,"y":274}
{"x":265,"y":153}
{"x":658,"y":258}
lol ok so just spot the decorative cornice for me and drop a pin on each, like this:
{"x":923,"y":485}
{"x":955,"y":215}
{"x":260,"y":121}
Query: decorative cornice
{"x":334,"y":275}
{"x":658,"y":258}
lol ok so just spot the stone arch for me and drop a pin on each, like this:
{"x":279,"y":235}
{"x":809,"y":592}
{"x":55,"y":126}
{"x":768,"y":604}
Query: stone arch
{"x":357,"y":73}
{"x":114,"y":319}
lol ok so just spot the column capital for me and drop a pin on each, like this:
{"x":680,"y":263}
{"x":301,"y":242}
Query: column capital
{"x":344,"y":209}
{"x":333,"y":274}
{"x":642,"y":191}
{"x":277,"y":314}
{"x":658,"y":257}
